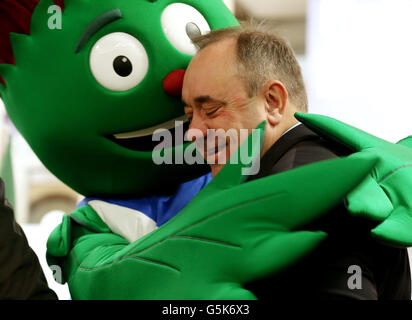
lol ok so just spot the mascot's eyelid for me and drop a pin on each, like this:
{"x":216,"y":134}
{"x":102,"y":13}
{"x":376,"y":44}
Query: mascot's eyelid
{"x":97,"y":24}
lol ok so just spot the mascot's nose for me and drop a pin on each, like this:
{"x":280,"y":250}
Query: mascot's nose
{"x":173,"y":83}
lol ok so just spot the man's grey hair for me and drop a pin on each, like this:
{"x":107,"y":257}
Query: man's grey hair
{"x":262,"y":55}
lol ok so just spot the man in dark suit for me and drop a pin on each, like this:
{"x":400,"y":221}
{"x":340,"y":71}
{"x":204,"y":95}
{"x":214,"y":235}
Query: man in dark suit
{"x":242,"y":77}
{"x":384,"y":272}
{"x":21,"y":276}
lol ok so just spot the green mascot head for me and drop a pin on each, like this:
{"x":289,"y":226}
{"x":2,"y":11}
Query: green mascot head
{"x":87,"y":82}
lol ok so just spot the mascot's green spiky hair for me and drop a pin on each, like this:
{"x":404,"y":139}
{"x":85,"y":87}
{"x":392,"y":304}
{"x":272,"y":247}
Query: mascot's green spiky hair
{"x":88,"y":96}
{"x":15,"y":16}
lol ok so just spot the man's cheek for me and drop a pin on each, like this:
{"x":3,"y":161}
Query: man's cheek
{"x":225,"y":119}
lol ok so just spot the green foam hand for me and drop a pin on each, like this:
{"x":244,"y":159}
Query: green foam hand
{"x":386,"y":194}
{"x":231,"y":233}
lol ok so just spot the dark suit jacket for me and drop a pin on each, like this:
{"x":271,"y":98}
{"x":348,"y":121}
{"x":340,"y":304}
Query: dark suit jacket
{"x":324,"y":274}
{"x":21,"y":276}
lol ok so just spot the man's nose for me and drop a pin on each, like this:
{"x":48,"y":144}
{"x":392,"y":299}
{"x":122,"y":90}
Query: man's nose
{"x":197,"y":128}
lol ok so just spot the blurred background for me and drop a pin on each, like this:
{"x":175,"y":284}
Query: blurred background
{"x":356,"y":60}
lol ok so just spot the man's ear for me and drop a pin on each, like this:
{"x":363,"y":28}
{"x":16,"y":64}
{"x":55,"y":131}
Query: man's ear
{"x":276,"y":97}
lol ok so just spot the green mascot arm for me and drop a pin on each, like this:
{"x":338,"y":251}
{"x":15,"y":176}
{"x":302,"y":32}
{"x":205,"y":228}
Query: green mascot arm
{"x":231,"y":233}
{"x":79,"y":234}
{"x":386,"y":194}
{"x":407,"y":142}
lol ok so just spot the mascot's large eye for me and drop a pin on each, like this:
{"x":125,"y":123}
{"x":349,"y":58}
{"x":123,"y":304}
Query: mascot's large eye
{"x":119,"y":61}
{"x":181,"y":23}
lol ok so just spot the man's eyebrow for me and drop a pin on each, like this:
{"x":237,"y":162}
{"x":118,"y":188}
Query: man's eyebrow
{"x":207,"y":99}
{"x":98,"y":23}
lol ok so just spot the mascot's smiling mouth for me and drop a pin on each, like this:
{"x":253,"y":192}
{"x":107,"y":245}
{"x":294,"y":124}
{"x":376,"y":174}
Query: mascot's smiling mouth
{"x":142,"y":140}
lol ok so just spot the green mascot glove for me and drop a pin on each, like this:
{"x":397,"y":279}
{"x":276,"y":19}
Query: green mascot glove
{"x":386,"y":194}
{"x":231,"y":233}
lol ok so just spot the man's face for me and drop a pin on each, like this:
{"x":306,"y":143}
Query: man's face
{"x":216,"y":98}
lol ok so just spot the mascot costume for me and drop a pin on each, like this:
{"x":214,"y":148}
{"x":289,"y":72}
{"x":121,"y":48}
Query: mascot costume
{"x":89,"y":94}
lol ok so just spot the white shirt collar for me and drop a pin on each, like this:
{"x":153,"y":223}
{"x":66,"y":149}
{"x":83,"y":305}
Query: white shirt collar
{"x":292,"y":127}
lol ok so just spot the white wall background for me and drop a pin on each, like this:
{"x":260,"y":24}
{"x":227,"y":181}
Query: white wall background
{"x":359,"y":63}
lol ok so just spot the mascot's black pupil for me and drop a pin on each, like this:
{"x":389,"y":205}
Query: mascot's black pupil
{"x":122,"y":66}
{"x":193,"y":30}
